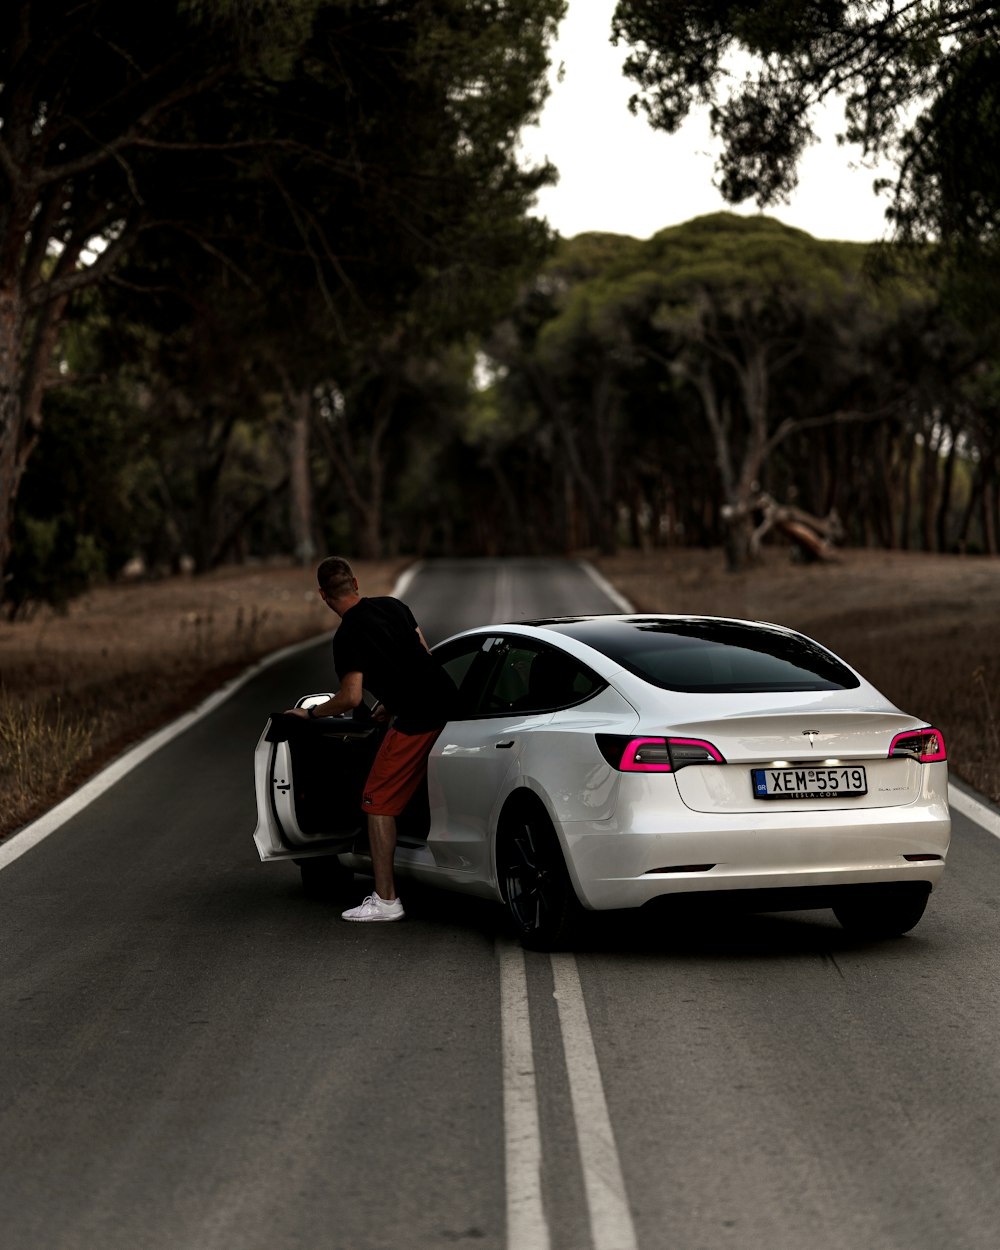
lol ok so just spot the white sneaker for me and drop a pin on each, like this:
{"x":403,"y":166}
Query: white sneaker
{"x":375,"y":908}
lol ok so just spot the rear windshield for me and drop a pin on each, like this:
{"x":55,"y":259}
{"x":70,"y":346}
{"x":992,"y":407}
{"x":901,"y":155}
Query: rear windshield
{"x":704,"y":657}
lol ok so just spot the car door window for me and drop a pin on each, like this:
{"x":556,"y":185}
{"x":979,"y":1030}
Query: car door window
{"x":509,"y":683}
{"x":468,"y":662}
{"x":528,"y":677}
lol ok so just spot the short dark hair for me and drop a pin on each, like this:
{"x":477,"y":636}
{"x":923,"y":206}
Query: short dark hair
{"x":335,"y":577}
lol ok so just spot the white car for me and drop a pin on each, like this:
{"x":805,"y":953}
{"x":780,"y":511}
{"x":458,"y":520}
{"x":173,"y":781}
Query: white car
{"x":616,"y":761}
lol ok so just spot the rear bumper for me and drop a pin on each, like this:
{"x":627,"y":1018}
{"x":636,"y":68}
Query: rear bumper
{"x":615,"y":867}
{"x":783,"y":898}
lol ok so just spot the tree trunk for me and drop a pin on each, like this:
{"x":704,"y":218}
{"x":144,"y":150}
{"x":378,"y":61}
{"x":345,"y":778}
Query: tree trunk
{"x":928,"y":482}
{"x":947,"y":486}
{"x":906,"y":512}
{"x":595,"y":470}
{"x":370,"y":531}
{"x":976,"y":489}
{"x":10,"y":422}
{"x":362,"y":479}
{"x":26,"y":346}
{"x":989,"y":521}
{"x":605,"y":404}
{"x":205,"y":531}
{"x":300,"y":479}
{"x":739,"y":532}
{"x":736,"y":518}
{"x":888,"y":509}
{"x":521,"y":539}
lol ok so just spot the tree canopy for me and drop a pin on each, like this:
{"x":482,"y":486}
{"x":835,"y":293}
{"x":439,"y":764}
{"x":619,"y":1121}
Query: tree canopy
{"x":918,"y":82}
{"x":271,"y":282}
{"x":349,"y":165}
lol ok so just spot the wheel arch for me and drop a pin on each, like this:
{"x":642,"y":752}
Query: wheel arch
{"x":529,"y":798}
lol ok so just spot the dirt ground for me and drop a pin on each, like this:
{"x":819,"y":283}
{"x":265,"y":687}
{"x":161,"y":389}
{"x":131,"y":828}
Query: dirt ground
{"x":181,"y":624}
{"x":77,"y":689}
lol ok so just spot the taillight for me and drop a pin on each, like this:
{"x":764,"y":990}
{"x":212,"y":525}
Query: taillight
{"x":655,"y":755}
{"x":925,"y":745}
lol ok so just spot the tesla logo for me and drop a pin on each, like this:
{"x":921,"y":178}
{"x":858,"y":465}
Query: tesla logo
{"x":811,"y":734}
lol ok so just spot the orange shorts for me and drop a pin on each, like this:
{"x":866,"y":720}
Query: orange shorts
{"x":399,"y":768}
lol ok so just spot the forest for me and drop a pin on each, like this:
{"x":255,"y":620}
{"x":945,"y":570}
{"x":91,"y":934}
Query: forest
{"x":271,"y":285}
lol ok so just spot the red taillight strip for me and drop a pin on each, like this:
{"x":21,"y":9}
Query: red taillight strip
{"x":630,"y":765}
{"x":698,"y":742}
{"x":925,"y":757}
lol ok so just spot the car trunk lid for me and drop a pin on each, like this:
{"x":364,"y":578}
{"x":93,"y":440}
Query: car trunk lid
{"x":814,"y":745}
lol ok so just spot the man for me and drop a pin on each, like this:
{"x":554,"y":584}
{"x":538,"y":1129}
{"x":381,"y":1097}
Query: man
{"x":379,"y":647}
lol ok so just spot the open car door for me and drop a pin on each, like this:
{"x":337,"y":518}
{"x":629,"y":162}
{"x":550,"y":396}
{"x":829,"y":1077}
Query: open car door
{"x":309,"y":779}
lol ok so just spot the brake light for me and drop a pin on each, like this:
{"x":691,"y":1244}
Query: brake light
{"x":925,"y":745}
{"x":655,"y":755}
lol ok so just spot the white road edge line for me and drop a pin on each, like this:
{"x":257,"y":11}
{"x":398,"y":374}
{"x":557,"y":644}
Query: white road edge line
{"x":611,"y":1224}
{"x":602,"y":584}
{"x":527,"y":1226}
{"x":405,"y":578}
{"x":977,"y":812}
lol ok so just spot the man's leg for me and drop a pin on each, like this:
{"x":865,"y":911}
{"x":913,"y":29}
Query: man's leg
{"x":386,"y":906}
{"x":398,"y":769}
{"x":382,"y":840}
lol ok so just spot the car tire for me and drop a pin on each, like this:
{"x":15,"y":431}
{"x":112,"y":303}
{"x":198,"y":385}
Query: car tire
{"x":882,"y":911}
{"x":325,"y":878}
{"x":536,"y":887}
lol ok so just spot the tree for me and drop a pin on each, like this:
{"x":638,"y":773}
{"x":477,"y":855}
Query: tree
{"x":365,"y":149}
{"x":90,"y":100}
{"x":565,"y":359}
{"x":685,"y":369}
{"x":918,"y":82}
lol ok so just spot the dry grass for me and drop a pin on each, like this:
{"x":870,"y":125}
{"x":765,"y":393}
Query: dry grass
{"x":40,"y":748}
{"x":922,"y":628}
{"x":76,"y":690}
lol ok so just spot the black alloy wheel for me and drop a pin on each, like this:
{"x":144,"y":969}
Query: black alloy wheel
{"x":537,"y":890}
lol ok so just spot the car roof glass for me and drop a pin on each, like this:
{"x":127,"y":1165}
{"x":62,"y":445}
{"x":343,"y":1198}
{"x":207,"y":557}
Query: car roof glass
{"x":710,"y":655}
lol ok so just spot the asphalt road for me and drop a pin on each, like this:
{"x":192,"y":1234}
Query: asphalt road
{"x":194,"y":1056}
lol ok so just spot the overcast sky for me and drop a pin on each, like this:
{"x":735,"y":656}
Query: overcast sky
{"x":618,"y":174}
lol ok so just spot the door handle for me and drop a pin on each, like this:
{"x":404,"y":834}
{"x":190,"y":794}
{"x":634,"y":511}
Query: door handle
{"x":504,"y":746}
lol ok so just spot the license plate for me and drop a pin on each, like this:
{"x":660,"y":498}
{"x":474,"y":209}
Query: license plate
{"x":809,"y":783}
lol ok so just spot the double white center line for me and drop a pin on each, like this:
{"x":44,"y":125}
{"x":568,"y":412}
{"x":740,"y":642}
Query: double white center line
{"x":607,"y":1203}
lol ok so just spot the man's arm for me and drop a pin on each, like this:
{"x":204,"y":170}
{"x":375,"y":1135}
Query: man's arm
{"x":347,"y":697}
{"x":423,"y":640}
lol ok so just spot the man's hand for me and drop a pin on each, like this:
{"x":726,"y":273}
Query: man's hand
{"x":347,"y":697}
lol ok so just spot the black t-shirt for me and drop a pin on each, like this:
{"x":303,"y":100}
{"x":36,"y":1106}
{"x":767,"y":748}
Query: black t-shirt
{"x":378,"y":639}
